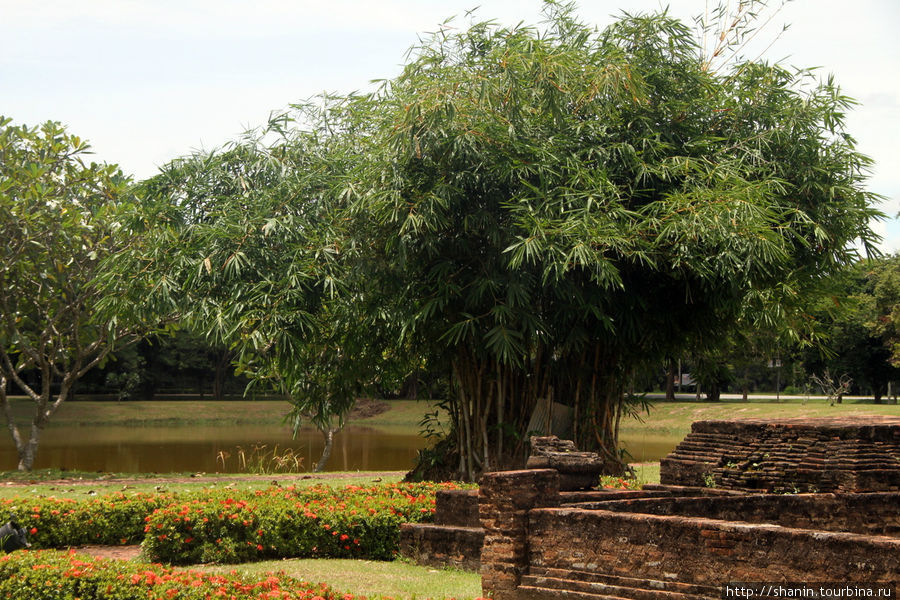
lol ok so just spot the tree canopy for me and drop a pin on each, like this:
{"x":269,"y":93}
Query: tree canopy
{"x":564,"y":205}
{"x":540,"y":211}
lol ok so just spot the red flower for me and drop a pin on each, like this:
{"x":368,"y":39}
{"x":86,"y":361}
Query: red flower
{"x":33,"y":530}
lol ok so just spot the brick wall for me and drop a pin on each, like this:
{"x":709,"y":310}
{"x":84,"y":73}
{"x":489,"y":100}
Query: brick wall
{"x":455,"y":538}
{"x":534,"y":548}
{"x":703,"y":551}
{"x":504,"y":501}
{"x":868,"y":514}
{"x":457,"y":507}
{"x":442,"y":545}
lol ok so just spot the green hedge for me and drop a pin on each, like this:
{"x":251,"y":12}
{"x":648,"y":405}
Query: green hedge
{"x":111,"y":519}
{"x":57,"y":575}
{"x":352,"y":522}
{"x":230,"y":526}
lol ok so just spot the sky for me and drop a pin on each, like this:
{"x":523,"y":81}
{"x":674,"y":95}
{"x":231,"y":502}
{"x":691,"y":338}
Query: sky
{"x":146,"y":81}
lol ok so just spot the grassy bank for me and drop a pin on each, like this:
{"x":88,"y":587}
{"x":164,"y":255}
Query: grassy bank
{"x":404,"y":414}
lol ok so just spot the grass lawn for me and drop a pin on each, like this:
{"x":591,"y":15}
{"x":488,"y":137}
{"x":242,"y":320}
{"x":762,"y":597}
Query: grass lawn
{"x":398,"y":579}
{"x":405,"y":414}
{"x":81,"y":486}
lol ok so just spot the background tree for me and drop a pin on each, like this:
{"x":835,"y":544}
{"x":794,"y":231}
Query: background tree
{"x":60,"y":219}
{"x":256,"y":262}
{"x":542,"y":212}
{"x":174,"y":362}
{"x":883,"y":278}
{"x":857,"y":321}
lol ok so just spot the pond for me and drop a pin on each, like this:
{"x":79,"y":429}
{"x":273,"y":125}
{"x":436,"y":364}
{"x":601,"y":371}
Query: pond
{"x":211,"y":449}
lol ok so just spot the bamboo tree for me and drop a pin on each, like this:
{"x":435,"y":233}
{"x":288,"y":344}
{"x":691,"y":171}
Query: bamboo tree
{"x":566,"y":206}
{"x":543,"y":210}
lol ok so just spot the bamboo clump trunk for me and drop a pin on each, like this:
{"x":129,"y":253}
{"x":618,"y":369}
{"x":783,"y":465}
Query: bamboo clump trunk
{"x":494,"y":402}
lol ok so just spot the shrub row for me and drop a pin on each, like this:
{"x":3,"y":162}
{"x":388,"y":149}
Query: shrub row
{"x":52,"y":575}
{"x":230,"y":526}
{"x":111,"y":519}
{"x":352,"y":522}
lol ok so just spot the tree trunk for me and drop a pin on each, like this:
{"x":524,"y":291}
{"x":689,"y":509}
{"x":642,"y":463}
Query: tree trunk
{"x":29,"y":450}
{"x":410,"y":388}
{"x":602,"y":405}
{"x":714,"y":394}
{"x":670,"y":380}
{"x":222,"y":362}
{"x":328,"y":434}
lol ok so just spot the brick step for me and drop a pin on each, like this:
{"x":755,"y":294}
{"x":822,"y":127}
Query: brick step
{"x":541,"y":588}
{"x":605,"y":585}
{"x":530,"y":592}
{"x":442,"y":545}
{"x":705,"y":457}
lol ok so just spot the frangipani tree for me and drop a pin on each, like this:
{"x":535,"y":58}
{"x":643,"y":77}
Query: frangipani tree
{"x":62,"y":221}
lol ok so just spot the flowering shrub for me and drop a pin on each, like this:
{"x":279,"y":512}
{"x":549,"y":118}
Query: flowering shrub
{"x":50,"y":574}
{"x":229,"y":526}
{"x":619,"y":483}
{"x":111,"y":519}
{"x":349,"y":522}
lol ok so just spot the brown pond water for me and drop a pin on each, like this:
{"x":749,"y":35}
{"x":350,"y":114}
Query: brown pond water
{"x":202,"y":448}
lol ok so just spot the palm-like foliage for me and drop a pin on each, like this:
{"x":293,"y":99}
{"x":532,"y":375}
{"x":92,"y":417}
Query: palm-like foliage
{"x":255,"y":257}
{"x":564,"y":206}
{"x":543,"y":210}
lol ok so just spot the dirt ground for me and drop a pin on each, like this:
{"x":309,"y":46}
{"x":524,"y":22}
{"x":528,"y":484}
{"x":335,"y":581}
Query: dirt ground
{"x":115,"y":552}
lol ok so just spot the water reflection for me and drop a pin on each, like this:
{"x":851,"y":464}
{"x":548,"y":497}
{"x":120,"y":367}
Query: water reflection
{"x":195,"y":449}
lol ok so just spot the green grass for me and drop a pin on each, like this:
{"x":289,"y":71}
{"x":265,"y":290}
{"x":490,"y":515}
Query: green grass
{"x":398,"y":579}
{"x":646,"y":472}
{"x":159,"y":413}
{"x":83,"y":486}
{"x":402,"y":414}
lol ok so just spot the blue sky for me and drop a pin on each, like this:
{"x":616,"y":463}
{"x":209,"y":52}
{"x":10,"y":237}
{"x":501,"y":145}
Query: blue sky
{"x":149,"y":80}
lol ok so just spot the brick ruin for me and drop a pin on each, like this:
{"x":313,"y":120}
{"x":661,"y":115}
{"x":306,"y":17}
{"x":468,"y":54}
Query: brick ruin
{"x":676,"y":542}
{"x":454,"y":539}
{"x":789,"y":455}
